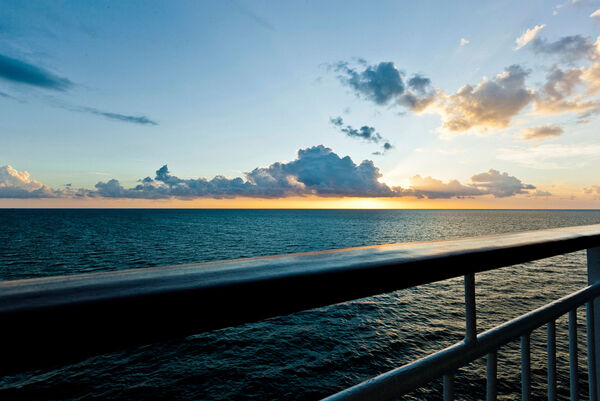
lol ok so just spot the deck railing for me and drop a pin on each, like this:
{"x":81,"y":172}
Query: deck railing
{"x":55,"y":320}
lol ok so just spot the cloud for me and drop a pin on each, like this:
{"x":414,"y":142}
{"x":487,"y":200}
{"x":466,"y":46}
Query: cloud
{"x":143,"y":120}
{"x":463,"y":42}
{"x":592,"y":189}
{"x":567,"y":48}
{"x":316,"y":171}
{"x":8,"y":96}
{"x":492,"y":182}
{"x":384,"y":84}
{"x":492,"y":103}
{"x":419,"y":83}
{"x":542,"y":132}
{"x":22,"y":72}
{"x":540,"y":194}
{"x":528,"y":36}
{"x":501,"y":185}
{"x":18,"y":184}
{"x":379,"y":83}
{"x":253,"y":16}
{"x":365,"y":132}
{"x":551,"y":155}
{"x":560,"y":93}
{"x":595,"y":14}
{"x":386,"y":147}
{"x":432,"y":188}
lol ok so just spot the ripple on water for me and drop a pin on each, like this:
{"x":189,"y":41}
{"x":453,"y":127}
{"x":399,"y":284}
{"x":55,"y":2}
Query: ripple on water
{"x":306,"y":355}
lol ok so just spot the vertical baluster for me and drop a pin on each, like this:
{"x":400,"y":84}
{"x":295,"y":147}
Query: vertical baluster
{"x":551,"y":350}
{"x":591,"y":354}
{"x":525,"y":368}
{"x":448,"y":387}
{"x":492,"y":369}
{"x":471,"y":317}
{"x":593,"y":269}
{"x":573,"y":354}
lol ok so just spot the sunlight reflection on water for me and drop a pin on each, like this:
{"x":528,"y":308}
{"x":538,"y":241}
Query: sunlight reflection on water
{"x":306,"y":355}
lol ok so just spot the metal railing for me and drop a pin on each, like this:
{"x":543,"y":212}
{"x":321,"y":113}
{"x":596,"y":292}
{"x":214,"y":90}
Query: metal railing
{"x":60,"y":319}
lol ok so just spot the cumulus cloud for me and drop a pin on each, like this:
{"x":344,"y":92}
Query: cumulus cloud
{"x":384,"y":84}
{"x":428,"y":187}
{"x":463,"y":42}
{"x":365,"y":132}
{"x":14,"y":70}
{"x":18,"y":184}
{"x":500,"y":185}
{"x":492,"y":103}
{"x":492,"y":182}
{"x":542,"y":132}
{"x":316,"y":171}
{"x":528,"y":36}
{"x":569,"y":90}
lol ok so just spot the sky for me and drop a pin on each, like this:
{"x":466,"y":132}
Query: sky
{"x":300,"y":104}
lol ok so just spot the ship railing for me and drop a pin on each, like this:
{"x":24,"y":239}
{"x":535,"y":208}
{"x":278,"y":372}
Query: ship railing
{"x":54,"y":320}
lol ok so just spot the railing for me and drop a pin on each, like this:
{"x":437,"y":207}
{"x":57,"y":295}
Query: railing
{"x":59,"y":319}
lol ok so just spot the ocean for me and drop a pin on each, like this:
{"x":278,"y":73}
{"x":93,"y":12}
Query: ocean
{"x":306,"y":355}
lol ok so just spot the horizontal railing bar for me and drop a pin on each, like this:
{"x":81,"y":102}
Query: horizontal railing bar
{"x":391,"y":385}
{"x":88,"y":314}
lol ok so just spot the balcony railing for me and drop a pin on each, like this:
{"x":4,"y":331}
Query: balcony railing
{"x":55,"y":320}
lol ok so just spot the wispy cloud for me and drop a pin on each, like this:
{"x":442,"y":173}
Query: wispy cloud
{"x":142,"y":120}
{"x":542,"y":132}
{"x":22,"y":72}
{"x":551,"y":155}
{"x":252,"y":15}
{"x":464,"y":42}
{"x":528,"y":36}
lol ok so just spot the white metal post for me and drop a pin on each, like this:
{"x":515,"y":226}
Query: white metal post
{"x":593,"y":263}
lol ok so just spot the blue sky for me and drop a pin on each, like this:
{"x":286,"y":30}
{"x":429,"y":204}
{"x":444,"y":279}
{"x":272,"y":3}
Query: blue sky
{"x":224,"y":87}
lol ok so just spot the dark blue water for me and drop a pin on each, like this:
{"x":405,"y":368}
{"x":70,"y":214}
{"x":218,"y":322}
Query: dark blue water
{"x":306,"y":355}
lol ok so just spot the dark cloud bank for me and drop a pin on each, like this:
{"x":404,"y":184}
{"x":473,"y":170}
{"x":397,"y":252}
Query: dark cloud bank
{"x":316,"y":171}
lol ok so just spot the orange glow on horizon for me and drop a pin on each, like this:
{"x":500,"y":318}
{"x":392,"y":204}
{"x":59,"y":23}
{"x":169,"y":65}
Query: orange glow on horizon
{"x":311,"y":202}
